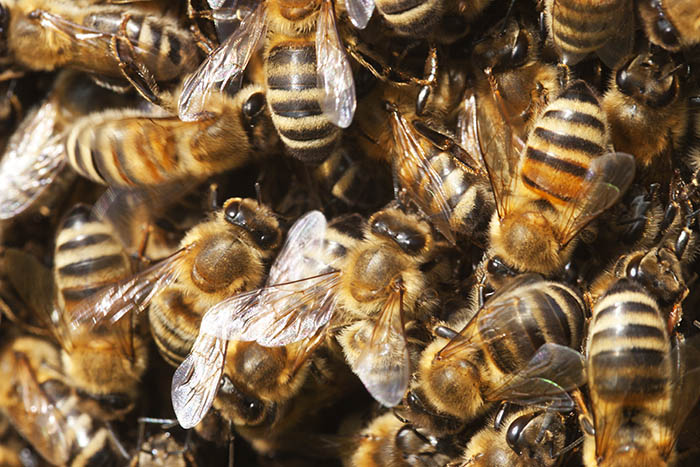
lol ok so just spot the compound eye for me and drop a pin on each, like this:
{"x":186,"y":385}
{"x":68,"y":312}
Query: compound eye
{"x":266,"y":237}
{"x":254,"y":105}
{"x":516,"y":429}
{"x":235,"y":215}
{"x":666,"y":32}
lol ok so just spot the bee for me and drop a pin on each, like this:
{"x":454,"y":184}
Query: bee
{"x":104,"y":363}
{"x":227,"y":254}
{"x":43,"y":36}
{"x":526,"y":437}
{"x":514,"y":348}
{"x":308,"y":80}
{"x":671,"y":24}
{"x":126,"y":148}
{"x":162,"y":448}
{"x":387,"y":441}
{"x":248,"y":396}
{"x":449,"y":187}
{"x":547,"y":191}
{"x":580,"y":27}
{"x":32,"y":168}
{"x":641,"y":388}
{"x":647,"y":108}
{"x":48,"y":413}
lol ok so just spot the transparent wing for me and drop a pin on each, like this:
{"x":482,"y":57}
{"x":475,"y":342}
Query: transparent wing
{"x":383,"y":364}
{"x":196,"y":380}
{"x":334,"y":74}
{"x":223,"y":66}
{"x":131,"y":295}
{"x":550,"y":374}
{"x":622,"y":43}
{"x":467,"y":136}
{"x":606,"y":180}
{"x":298,"y":300}
{"x":494,"y":316}
{"x":498,"y":144}
{"x":42,"y":424}
{"x":418,"y":177}
{"x":360,"y":11}
{"x":31,"y":162}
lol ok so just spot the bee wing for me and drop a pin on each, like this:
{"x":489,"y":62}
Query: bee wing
{"x":298,"y":300}
{"x":495,"y":313}
{"x":224,"y":65}
{"x":196,"y":380}
{"x":383,"y":364}
{"x":606,"y":180}
{"x":546,"y":379}
{"x":418,"y":177}
{"x":467,"y":136}
{"x":622,"y":43}
{"x":360,"y":11}
{"x":30,"y":163}
{"x":333,"y":72}
{"x":130,"y":295}
{"x":48,"y":428}
{"x":499,"y":146}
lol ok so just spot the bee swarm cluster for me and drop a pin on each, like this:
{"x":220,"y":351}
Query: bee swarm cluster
{"x":349,"y":232}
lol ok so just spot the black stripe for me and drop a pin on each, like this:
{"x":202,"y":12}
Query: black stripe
{"x":579,"y":91}
{"x":577,"y":42}
{"x":312,"y":154}
{"x":568,"y":141}
{"x":625,"y":285}
{"x":79,"y":214}
{"x":634,"y":357}
{"x":630,"y":330}
{"x":308,"y":134}
{"x":556,"y":163}
{"x":118,"y":148}
{"x":581,"y":23}
{"x":622,"y":385}
{"x":296,"y":55}
{"x":97,"y":161}
{"x":78,"y":294}
{"x":575,"y":117}
{"x":78,"y":157}
{"x":622,"y":308}
{"x":291,"y":82}
{"x":86,"y":266}
{"x":83,"y":240}
{"x":587,"y":7}
{"x":396,"y":7}
{"x":556,"y":324}
{"x":536,"y":186}
{"x":296,"y":108}
{"x":175,"y":47}
{"x":156,"y":34}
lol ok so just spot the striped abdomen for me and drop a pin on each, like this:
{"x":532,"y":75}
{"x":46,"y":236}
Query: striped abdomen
{"x":583,"y":26}
{"x":411,"y":17}
{"x":87,"y":258}
{"x":118,"y":148}
{"x":547,"y":312}
{"x":160,"y":45}
{"x":294,"y":100}
{"x":571,"y":131}
{"x":628,"y":350}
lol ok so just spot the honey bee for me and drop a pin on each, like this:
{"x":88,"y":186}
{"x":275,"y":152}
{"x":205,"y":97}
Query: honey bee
{"x":124,"y":148}
{"x":46,"y":412}
{"x":308,"y":80}
{"x":104,"y":363}
{"x":387,"y":441}
{"x":532,"y":436}
{"x":671,"y":24}
{"x":518,"y":347}
{"x":449,"y":187}
{"x":162,"y":448}
{"x":104,"y":40}
{"x":32,"y":168}
{"x":641,"y":388}
{"x":580,"y":27}
{"x":647,"y":108}
{"x":547,"y":191}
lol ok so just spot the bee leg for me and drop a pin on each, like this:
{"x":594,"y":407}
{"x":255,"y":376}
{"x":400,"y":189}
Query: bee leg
{"x":430,"y":74}
{"x":134,"y":72}
{"x":202,"y":41}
